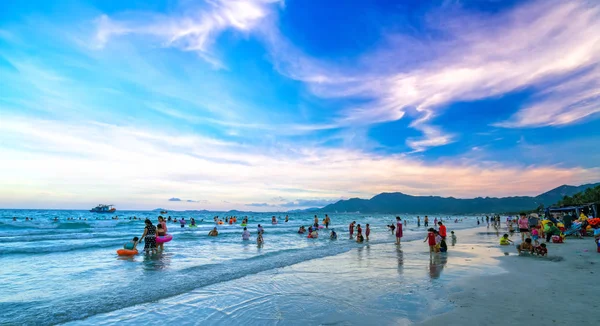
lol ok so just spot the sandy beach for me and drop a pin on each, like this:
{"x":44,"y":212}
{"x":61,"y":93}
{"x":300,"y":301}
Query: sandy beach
{"x":558,"y":290}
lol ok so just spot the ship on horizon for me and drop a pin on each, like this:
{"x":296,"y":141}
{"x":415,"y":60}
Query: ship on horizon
{"x":101,"y":208}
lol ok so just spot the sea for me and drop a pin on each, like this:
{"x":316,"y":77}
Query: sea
{"x":61,"y":266}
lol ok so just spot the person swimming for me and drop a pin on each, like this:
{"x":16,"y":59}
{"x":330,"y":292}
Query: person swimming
{"x":259,"y":229}
{"x":213,"y":232}
{"x":333,"y":235}
{"x":301,"y":230}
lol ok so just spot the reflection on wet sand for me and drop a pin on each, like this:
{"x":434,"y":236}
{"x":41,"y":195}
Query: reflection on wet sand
{"x":437,"y":262}
{"x":157,"y":261}
{"x":400,"y":255}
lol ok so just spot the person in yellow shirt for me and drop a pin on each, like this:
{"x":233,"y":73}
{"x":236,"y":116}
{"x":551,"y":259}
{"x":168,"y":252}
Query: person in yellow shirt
{"x":505,"y":241}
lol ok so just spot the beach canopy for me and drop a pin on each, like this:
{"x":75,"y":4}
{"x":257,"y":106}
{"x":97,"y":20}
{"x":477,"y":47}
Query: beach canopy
{"x":577,"y":209}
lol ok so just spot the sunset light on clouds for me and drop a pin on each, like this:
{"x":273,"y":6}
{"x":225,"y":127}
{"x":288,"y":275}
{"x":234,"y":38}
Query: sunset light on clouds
{"x":268,"y":105}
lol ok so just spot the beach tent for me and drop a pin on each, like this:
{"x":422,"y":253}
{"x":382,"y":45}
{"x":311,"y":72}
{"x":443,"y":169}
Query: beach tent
{"x":577,"y":209}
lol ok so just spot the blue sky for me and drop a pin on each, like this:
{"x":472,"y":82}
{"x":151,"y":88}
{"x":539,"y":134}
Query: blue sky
{"x":272,"y":105}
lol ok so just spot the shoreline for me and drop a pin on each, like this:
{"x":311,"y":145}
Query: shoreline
{"x":377,"y":282}
{"x":557,"y":290}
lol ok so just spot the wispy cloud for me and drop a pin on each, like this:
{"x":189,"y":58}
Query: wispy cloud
{"x":61,"y":158}
{"x":477,"y":56}
{"x":192,"y":29}
{"x":259,"y":205}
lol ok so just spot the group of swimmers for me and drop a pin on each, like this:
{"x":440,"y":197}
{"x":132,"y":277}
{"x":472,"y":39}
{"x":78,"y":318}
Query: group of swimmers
{"x":26,"y":219}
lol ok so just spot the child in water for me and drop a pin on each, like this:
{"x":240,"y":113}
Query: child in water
{"x":430,"y":238}
{"x":367,"y":231}
{"x":333,"y":235}
{"x":505,"y":241}
{"x":259,"y":239}
{"x":131,"y":245}
{"x":359,"y":238}
{"x":453,"y":237}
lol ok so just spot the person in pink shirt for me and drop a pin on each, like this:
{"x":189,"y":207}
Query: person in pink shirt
{"x":161,"y":221}
{"x":523,"y":226}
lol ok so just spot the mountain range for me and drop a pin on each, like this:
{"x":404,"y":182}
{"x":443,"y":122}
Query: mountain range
{"x":397,"y":202}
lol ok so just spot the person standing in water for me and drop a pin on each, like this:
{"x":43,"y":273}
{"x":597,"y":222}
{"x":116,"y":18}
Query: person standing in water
{"x":286,"y":219}
{"x":160,"y":232}
{"x":367,"y":231}
{"x":442,"y":230}
{"x":418,"y":221}
{"x":246,"y":234}
{"x":327,"y":221}
{"x":398,"y":229}
{"x":182,"y":222}
{"x":163,"y":223}
{"x":259,"y":239}
{"x":426,"y":221}
{"x":351,"y":229}
{"x":149,"y":236}
{"x":316,"y":222}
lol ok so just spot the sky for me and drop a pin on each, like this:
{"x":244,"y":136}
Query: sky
{"x":272,"y":105}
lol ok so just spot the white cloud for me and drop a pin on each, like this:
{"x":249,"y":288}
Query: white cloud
{"x":194,"y":29}
{"x":49,"y":163}
{"x":478,"y":56}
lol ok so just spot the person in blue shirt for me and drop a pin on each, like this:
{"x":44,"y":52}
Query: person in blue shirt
{"x":131,"y":245}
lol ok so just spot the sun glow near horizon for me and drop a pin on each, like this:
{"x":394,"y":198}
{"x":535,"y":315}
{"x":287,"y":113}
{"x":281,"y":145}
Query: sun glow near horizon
{"x":252,"y":105}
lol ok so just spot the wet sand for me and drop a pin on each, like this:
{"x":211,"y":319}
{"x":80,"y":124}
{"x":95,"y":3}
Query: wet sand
{"x":372,"y":284}
{"x":559,"y":290}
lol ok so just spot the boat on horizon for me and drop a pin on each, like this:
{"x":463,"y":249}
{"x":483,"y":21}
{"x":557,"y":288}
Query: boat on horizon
{"x":101,"y":208}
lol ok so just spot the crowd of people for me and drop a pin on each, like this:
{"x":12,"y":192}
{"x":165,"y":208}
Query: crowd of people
{"x":437,"y":238}
{"x":532,"y":229}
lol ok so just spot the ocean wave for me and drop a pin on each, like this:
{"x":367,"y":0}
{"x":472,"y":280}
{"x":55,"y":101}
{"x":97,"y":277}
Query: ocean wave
{"x":54,"y":248}
{"x":136,"y":290}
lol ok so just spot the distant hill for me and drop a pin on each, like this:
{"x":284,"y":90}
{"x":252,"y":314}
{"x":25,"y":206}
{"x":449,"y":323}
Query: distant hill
{"x":555,"y":195}
{"x":306,"y":210}
{"x":398,"y":202}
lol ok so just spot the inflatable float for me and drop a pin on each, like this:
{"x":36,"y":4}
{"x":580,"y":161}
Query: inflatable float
{"x":164,"y":238}
{"x":127,"y":252}
{"x":193,"y":226}
{"x":321,"y":227}
{"x":243,"y":224}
